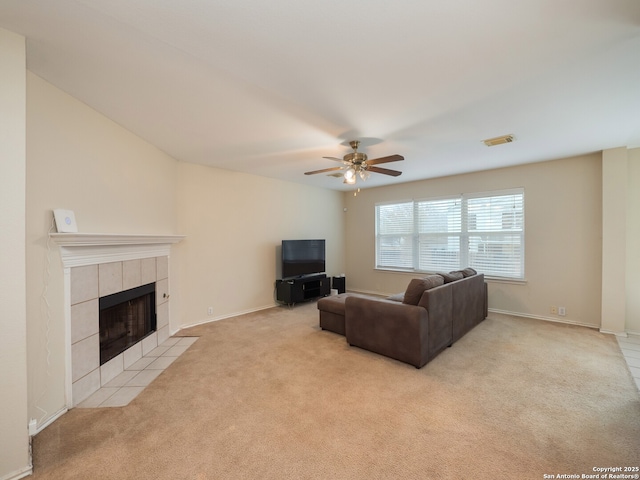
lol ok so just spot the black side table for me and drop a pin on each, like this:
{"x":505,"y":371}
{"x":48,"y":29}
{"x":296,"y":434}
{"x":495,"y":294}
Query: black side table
{"x":339,"y":283}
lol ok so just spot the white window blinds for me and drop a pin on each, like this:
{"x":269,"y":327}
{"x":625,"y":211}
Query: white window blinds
{"x":439,"y":232}
{"x":394,"y":237}
{"x":482,"y":231}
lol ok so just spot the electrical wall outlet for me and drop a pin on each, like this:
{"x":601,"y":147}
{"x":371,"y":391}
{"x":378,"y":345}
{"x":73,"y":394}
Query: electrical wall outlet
{"x":210,"y":311}
{"x":554,"y":310}
{"x":562,"y":311}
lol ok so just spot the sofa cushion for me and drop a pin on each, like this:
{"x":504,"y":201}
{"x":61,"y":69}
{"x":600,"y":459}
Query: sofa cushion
{"x":398,"y":297}
{"x":335,"y":303}
{"x":468,"y":272}
{"x":417,"y":286}
{"x":452,"y":276}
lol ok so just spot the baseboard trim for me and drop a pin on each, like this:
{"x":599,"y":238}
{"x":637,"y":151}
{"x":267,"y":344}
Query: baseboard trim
{"x":611,"y":332}
{"x":51,"y":419}
{"x":377,"y":294}
{"x":223,"y":317}
{"x":541,"y":317}
{"x":22,"y":473}
{"x":27,"y":471}
{"x":510,"y":313}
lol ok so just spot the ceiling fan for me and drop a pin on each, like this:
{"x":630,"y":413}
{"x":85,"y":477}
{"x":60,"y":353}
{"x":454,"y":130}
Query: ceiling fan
{"x":356,"y":164}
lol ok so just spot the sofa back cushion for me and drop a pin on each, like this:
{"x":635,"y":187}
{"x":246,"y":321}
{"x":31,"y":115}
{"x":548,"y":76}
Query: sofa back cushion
{"x":452,"y":276}
{"x":467,"y":272}
{"x":417,"y":286}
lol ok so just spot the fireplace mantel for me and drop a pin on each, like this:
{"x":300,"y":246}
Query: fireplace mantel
{"x":86,"y":249}
{"x":81,"y":249}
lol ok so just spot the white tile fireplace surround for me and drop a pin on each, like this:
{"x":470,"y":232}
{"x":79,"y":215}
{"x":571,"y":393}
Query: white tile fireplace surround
{"x":96,"y":265}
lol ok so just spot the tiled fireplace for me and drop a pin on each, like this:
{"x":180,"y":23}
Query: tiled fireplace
{"x":90,"y":283}
{"x":97,"y":266}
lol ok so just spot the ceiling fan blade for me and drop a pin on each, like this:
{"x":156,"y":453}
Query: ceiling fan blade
{"x":384,"y":171}
{"x":334,"y":158}
{"x":323,"y":170}
{"x":390,"y":158}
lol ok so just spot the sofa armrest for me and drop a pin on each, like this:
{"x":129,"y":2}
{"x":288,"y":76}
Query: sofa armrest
{"x":486,"y":300}
{"x":468,"y":304}
{"x":389,"y":328}
{"x":439,"y":304}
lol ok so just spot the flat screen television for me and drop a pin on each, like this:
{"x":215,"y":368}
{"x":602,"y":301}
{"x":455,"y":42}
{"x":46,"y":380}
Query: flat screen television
{"x":302,"y":257}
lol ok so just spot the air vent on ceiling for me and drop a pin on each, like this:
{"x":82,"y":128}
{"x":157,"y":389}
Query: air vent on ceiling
{"x":490,"y":142}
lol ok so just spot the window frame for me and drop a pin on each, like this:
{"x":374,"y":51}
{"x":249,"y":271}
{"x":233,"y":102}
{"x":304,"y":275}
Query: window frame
{"x":414,"y":259}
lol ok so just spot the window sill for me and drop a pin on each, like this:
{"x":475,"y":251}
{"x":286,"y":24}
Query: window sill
{"x":512,"y":281}
{"x":489,"y":279}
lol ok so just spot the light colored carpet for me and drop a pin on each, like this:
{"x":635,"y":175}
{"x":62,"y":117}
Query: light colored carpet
{"x":271,"y":396}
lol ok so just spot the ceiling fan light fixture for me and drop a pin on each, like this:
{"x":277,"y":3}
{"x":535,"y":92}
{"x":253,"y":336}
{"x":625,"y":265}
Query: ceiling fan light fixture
{"x":356,"y":164}
{"x":350,"y":175}
{"x":491,"y":142}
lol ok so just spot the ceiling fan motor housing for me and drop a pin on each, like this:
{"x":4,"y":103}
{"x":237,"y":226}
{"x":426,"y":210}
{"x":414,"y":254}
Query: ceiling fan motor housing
{"x":355,"y":157}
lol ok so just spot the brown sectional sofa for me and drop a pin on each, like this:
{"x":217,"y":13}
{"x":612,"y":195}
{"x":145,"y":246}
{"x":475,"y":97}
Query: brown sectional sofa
{"x":413,"y":327}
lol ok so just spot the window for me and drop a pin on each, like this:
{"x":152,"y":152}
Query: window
{"x":481,"y":231}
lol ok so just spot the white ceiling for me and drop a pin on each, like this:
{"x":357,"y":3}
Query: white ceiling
{"x":271,"y":87}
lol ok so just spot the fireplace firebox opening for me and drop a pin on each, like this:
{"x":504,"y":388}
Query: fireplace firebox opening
{"x":125,"y":319}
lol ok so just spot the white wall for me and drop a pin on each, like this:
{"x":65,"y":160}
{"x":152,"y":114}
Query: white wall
{"x":114,"y":182}
{"x":14,"y":439}
{"x":563,"y":213}
{"x":234,"y":224}
{"x":615,"y":186}
{"x":632,"y":324}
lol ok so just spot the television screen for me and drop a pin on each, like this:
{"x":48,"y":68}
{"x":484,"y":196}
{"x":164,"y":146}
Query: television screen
{"x":302,"y":257}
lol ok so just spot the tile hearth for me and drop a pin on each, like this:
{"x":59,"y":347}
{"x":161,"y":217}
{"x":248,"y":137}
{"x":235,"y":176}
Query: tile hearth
{"x":630,"y":347}
{"x":133,"y":380}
